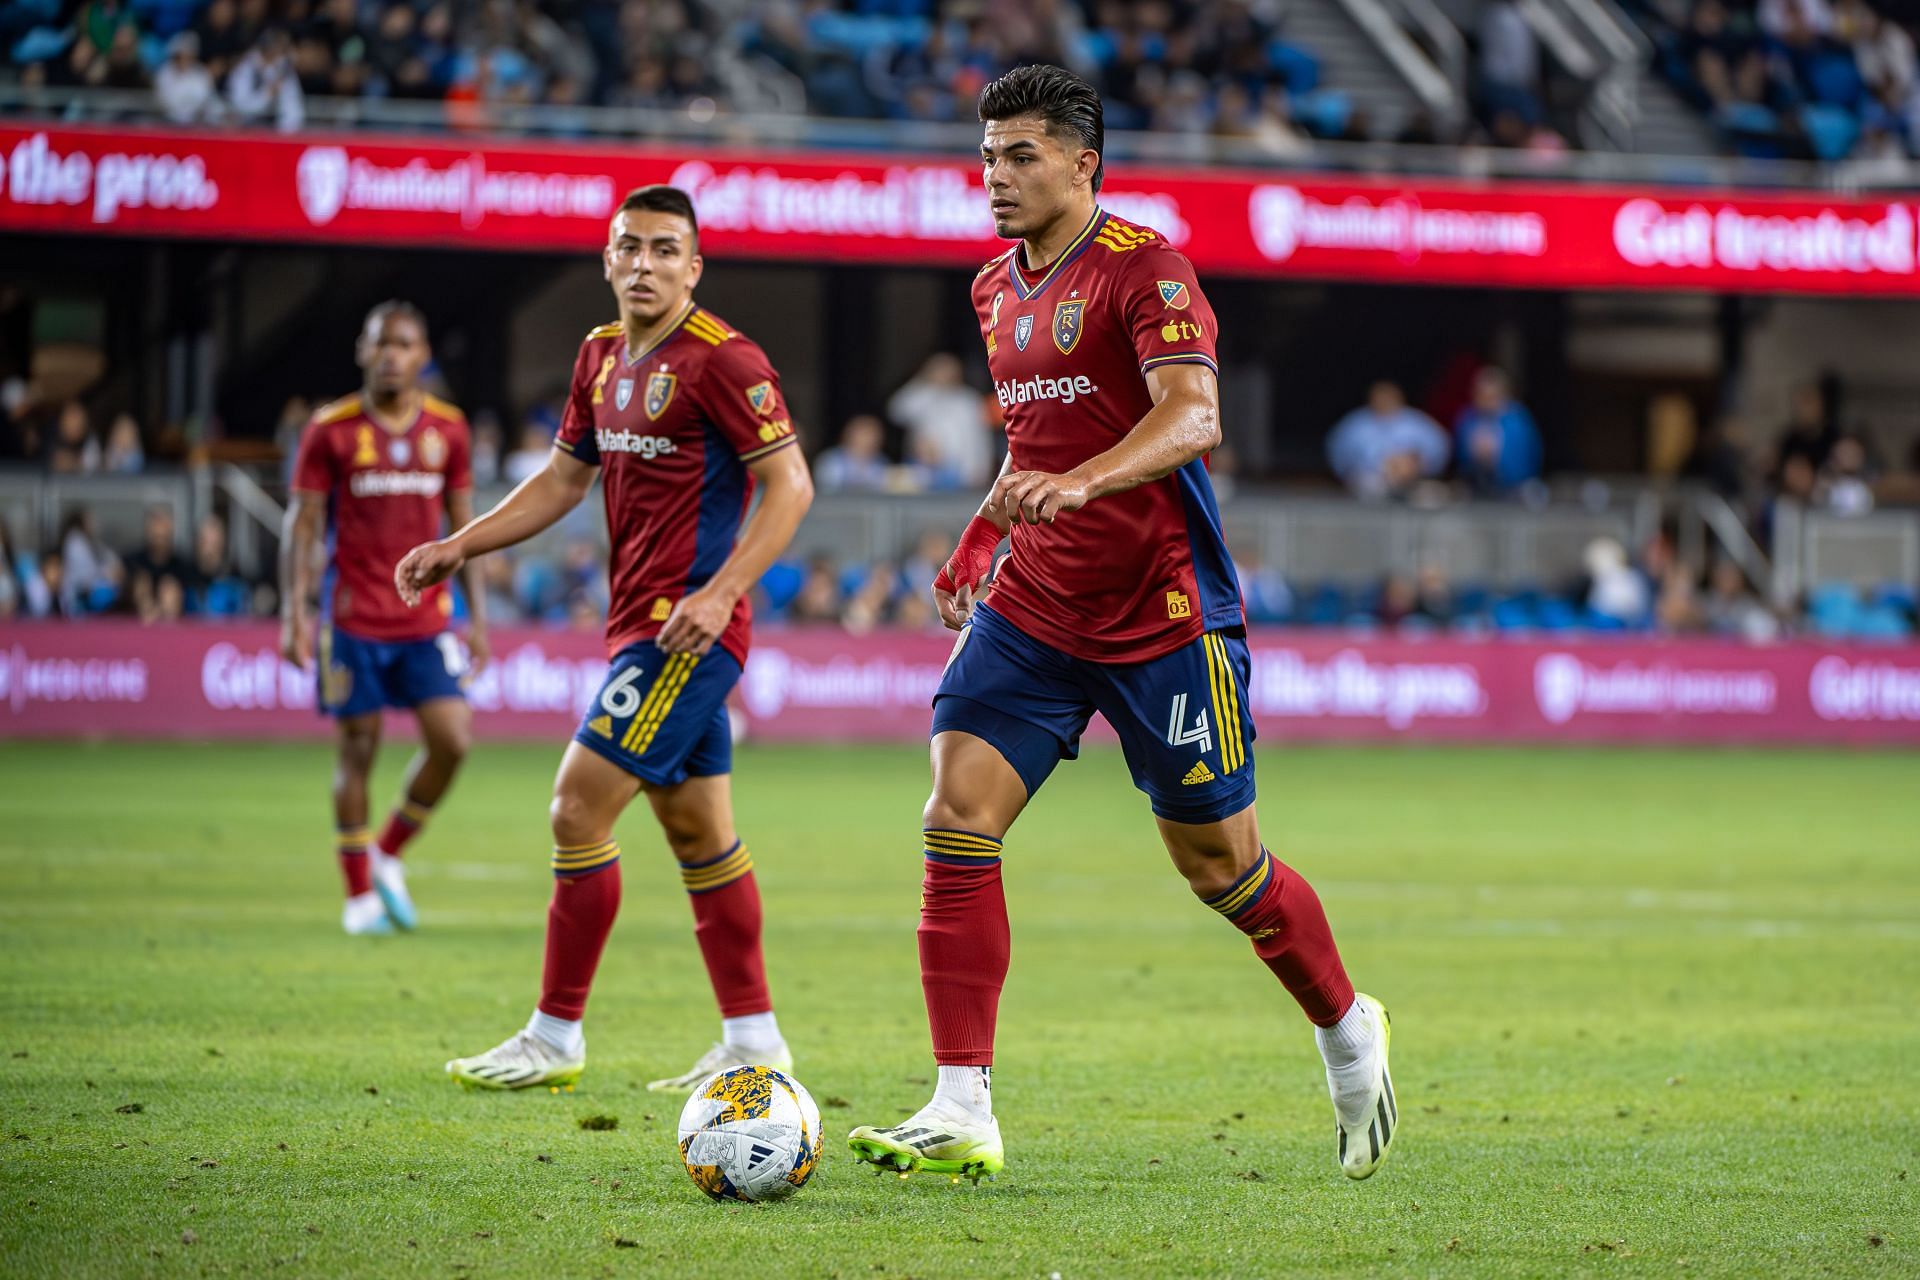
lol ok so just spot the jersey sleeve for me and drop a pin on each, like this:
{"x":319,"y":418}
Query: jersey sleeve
{"x":315,"y":465}
{"x":741,"y":394}
{"x":576,"y":423}
{"x":459,"y":455}
{"x":1170,"y":320}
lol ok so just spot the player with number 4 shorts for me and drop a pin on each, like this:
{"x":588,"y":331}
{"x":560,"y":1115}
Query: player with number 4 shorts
{"x":682,"y":418}
{"x":1118,"y":597}
{"x":377,"y":471}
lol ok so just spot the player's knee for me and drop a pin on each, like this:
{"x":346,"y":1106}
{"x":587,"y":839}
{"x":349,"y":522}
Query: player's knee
{"x":450,"y":746}
{"x":957,"y":813}
{"x":574,"y":821}
{"x":357,"y":746}
{"x":1210,"y":877}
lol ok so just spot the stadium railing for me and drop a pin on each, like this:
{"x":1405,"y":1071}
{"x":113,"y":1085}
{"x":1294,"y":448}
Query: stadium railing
{"x":812,"y":133}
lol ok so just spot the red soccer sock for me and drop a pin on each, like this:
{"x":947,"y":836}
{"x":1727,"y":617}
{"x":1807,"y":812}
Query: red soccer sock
{"x":964,"y":945}
{"x":1279,"y":910}
{"x":726,"y":923}
{"x":586,"y":898}
{"x":403,"y":824}
{"x":352,"y":845}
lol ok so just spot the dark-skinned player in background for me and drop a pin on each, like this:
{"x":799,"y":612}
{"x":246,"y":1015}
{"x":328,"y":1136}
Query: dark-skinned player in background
{"x":376,"y":472}
{"x":1118,"y":597}
{"x":683,"y":419}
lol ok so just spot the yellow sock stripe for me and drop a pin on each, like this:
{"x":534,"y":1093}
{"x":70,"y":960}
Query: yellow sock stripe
{"x":586,"y":859}
{"x":1241,"y":896}
{"x":353,"y":836}
{"x":576,"y":852}
{"x":415,"y":812}
{"x":660,"y":685}
{"x":718,"y":874}
{"x":665,"y":705}
{"x":953,"y":842}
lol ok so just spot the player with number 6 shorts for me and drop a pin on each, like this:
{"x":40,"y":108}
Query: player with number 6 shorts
{"x":378,"y":471}
{"x":1118,"y":597}
{"x":682,"y":418}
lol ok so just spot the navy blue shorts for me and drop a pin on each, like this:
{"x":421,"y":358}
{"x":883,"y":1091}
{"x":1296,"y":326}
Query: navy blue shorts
{"x":1182,"y":718}
{"x":663,"y":716}
{"x":358,"y":675}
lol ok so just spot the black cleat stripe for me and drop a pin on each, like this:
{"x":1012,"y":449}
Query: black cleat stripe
{"x":1386,"y":1082}
{"x":1386,"y":1125}
{"x":1373,"y":1139}
{"x":1343,"y":1142}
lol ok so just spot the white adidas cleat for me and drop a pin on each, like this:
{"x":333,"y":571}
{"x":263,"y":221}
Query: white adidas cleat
{"x":390,"y":883}
{"x":365,"y":914}
{"x":522,"y":1061}
{"x":1364,"y":1111}
{"x":722,"y":1057}
{"x":936,"y":1139}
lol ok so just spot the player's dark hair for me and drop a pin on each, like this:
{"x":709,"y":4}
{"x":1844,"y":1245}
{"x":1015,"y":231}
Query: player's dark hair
{"x":1069,"y":106}
{"x":661,"y":198}
{"x":396,"y":307}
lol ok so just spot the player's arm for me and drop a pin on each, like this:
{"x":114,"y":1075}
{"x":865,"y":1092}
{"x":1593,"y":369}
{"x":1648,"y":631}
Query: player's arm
{"x":972,"y":559}
{"x":535,"y":504}
{"x":300,"y":535}
{"x":1183,"y":424}
{"x":786,"y":491}
{"x":459,"y":516}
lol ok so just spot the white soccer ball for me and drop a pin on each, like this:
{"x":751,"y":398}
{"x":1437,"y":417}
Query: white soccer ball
{"x":750,"y":1133}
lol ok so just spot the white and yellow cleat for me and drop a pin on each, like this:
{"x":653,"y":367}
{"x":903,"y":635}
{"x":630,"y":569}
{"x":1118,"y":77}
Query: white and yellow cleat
{"x":935,"y":1140}
{"x":722,"y":1057}
{"x":522,"y":1061}
{"x":390,"y":884}
{"x":1364,"y":1111}
{"x":365,"y":915}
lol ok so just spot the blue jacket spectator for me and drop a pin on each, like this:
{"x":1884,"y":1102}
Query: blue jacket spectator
{"x":1497,"y":447}
{"x":1382,"y":448}
{"x":858,"y":462}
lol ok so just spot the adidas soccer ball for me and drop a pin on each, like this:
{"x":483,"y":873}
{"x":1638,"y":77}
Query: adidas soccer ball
{"x":751,"y":1133}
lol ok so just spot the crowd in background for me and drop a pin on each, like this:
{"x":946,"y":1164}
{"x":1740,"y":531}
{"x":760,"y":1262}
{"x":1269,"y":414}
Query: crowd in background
{"x":938,"y":433}
{"x":1825,"y":78}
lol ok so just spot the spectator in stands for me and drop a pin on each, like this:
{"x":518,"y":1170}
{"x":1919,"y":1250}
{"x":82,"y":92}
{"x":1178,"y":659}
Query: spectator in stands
{"x":159,"y":578}
{"x":183,"y":85}
{"x":819,"y":596}
{"x":946,"y":423}
{"x":217,"y":589}
{"x":1844,"y":486}
{"x":1810,"y":431}
{"x":1509,"y":61}
{"x":122,"y":68}
{"x":12,"y":591}
{"x":125,"y":455}
{"x":1677,"y":609}
{"x":872,"y":601}
{"x":503,"y":602}
{"x":487,"y":441}
{"x":220,"y":38}
{"x":90,"y":575}
{"x":75,"y":451}
{"x":1730,"y":609}
{"x":263,"y":85}
{"x":19,"y":425}
{"x":1782,"y":19}
{"x":1719,"y":67}
{"x":858,"y":463}
{"x":1497,"y":445}
{"x":52,"y":599}
{"x":536,"y":445}
{"x":1385,"y":447}
{"x":1616,"y":593}
{"x":1265,"y":591}
{"x":1722,"y":459}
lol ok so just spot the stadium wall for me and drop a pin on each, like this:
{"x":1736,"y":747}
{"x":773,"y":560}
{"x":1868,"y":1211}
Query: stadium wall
{"x":111,"y":680}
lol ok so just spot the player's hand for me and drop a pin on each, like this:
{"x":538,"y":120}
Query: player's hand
{"x":296,"y":638}
{"x":427,"y":565}
{"x":479,"y":652}
{"x":696,"y":622}
{"x":1037,"y":497}
{"x":955,"y":607}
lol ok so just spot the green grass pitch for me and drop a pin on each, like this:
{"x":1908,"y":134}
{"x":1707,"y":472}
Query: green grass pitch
{"x":1655,"y":1015}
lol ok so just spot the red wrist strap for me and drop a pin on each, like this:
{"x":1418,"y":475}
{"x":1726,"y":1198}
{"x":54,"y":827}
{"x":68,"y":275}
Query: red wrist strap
{"x":972,"y":560}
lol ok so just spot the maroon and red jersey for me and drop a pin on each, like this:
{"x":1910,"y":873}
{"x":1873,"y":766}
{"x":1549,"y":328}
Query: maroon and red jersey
{"x":386,"y":488}
{"x":672,"y":429}
{"x":1133,"y":575}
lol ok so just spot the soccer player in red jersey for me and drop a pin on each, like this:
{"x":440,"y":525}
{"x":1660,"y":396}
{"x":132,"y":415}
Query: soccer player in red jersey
{"x":683,"y":418}
{"x":1118,"y":597}
{"x":377,"y":471}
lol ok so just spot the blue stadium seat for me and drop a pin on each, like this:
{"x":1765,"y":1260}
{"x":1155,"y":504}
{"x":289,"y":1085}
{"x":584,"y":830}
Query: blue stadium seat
{"x":1327,"y":606}
{"x":1834,"y":79}
{"x":1300,"y":69}
{"x":1513,"y":613}
{"x":1555,"y":614}
{"x":1831,"y":131}
{"x":782,"y":583}
{"x":1323,"y":112}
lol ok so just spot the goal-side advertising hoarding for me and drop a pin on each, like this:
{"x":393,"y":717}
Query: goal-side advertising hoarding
{"x":920,"y":211}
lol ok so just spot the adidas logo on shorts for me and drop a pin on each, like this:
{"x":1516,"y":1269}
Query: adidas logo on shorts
{"x":1197,"y":775}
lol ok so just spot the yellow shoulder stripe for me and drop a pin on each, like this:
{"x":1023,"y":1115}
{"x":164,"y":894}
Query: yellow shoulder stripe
{"x":605,"y":331}
{"x":700,"y":325}
{"x":993,"y":263}
{"x":445,"y":409}
{"x":344,"y":407}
